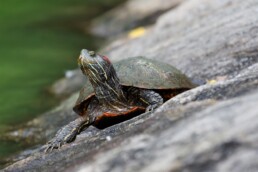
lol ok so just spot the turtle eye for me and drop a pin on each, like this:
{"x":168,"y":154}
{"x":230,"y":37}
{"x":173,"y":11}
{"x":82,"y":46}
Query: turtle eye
{"x":92,"y":53}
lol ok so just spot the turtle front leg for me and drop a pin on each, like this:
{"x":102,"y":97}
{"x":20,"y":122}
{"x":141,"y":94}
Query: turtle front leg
{"x":67,"y":134}
{"x":152,"y":98}
{"x":149,"y":97}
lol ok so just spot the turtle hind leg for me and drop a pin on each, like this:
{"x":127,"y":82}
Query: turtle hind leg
{"x":67,"y":134}
{"x":148,"y":97}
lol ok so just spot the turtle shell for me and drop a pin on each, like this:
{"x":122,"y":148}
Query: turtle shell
{"x":139,"y":72}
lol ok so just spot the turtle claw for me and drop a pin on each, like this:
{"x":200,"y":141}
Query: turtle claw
{"x":64,"y":135}
{"x":47,"y":149}
{"x":54,"y":144}
{"x":151,"y":108}
{"x":59,"y":146}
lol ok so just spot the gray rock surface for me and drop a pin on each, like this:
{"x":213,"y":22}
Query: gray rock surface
{"x":210,"y":128}
{"x":220,"y":42}
{"x":129,"y":15}
{"x":205,"y":39}
{"x":213,"y":139}
{"x":64,"y":87}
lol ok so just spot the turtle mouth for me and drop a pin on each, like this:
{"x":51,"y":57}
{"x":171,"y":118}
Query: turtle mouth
{"x":79,"y":60}
{"x":91,"y":68}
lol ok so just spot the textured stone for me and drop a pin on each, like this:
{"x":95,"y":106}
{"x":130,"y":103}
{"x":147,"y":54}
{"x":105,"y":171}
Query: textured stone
{"x":68,"y":85}
{"x":213,"y":139}
{"x":219,"y":40}
{"x":212,"y":127}
{"x":129,"y":15}
{"x":205,"y":39}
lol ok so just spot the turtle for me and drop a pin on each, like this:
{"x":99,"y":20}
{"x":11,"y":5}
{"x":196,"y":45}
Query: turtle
{"x":119,"y":91}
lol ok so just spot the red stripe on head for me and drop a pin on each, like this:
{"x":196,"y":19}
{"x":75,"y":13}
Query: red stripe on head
{"x":106,"y":59}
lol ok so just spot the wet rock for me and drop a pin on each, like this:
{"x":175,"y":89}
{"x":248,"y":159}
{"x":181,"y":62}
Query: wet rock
{"x":129,"y":15}
{"x":209,"y":128}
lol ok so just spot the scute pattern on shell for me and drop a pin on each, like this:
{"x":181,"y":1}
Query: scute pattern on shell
{"x":150,"y":74}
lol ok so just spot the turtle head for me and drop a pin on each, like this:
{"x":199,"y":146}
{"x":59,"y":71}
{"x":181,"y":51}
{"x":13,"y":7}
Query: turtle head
{"x":96,"y":67}
{"x":103,"y":78}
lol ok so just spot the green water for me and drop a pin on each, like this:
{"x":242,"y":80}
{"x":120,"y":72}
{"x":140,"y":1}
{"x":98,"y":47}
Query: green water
{"x":39,"y":40}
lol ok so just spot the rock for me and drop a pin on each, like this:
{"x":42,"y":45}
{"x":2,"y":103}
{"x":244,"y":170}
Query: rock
{"x":129,"y":15}
{"x":66,"y":86}
{"x":214,"y":139}
{"x":185,"y":38}
{"x":45,"y":126}
{"x":221,"y":39}
{"x":202,"y":136}
{"x":248,"y":78}
{"x":209,"y":128}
